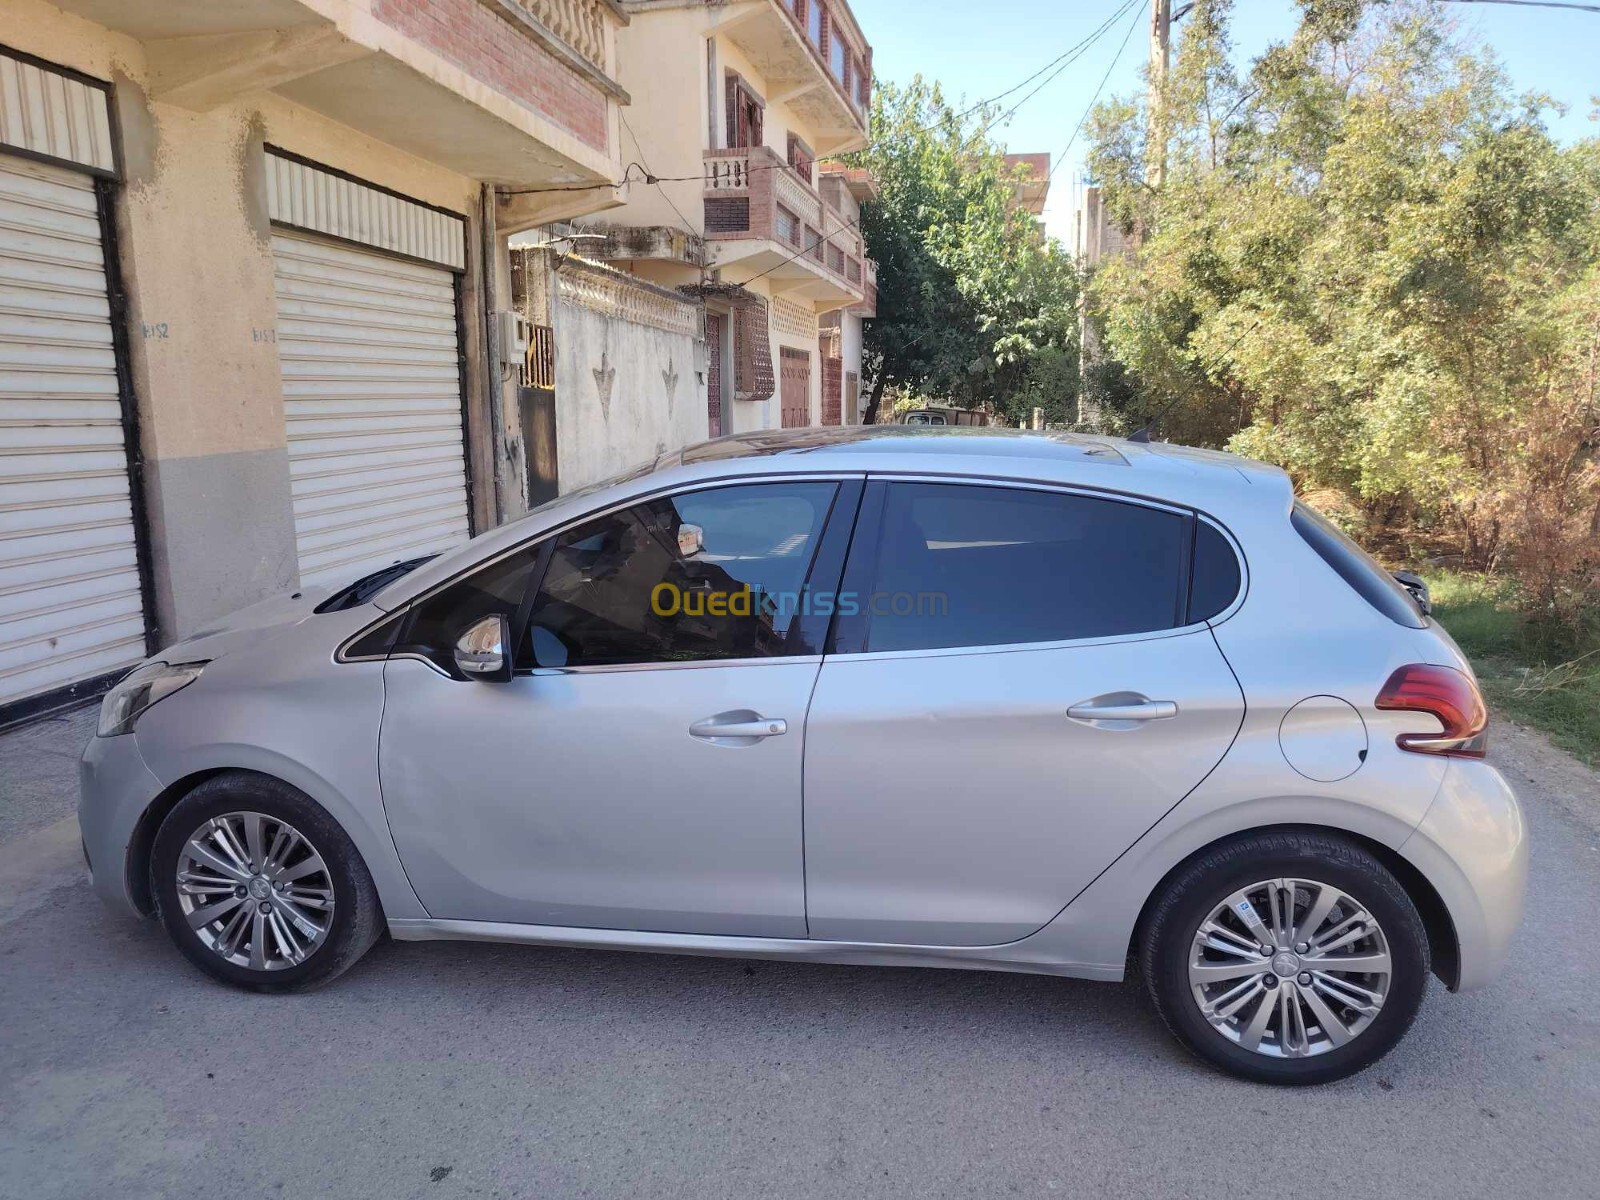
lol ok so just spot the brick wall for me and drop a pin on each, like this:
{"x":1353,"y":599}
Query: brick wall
{"x":491,"y":48}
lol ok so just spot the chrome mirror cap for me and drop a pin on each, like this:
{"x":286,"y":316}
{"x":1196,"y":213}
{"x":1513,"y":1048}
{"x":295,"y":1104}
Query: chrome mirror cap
{"x":480,"y":651}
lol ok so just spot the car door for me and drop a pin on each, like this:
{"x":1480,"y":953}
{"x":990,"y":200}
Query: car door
{"x":1019,"y":688}
{"x":641,"y":768}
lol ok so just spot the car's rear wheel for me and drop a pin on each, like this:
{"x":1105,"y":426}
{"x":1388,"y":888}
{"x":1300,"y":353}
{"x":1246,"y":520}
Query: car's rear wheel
{"x":259,"y":887}
{"x":1291,"y":958}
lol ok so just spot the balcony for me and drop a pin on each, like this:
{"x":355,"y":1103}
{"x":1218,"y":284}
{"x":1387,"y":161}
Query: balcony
{"x":518,"y":92}
{"x":762,"y":218}
{"x":814,"y":60}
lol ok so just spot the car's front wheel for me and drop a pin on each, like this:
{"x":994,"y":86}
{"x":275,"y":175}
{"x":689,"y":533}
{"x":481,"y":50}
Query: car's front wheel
{"x":1291,"y":958}
{"x":258,"y":886}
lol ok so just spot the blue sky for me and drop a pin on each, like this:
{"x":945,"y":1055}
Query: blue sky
{"x":978,"y":48}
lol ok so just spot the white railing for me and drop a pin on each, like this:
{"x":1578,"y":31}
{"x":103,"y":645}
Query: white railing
{"x":728,"y":174}
{"x":584,"y":25}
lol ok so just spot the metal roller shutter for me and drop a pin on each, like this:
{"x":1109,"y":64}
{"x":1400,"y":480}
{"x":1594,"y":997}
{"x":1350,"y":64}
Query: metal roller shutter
{"x":370,"y":353}
{"x":71,"y":608}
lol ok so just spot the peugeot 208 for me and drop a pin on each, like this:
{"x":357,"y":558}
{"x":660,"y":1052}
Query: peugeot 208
{"x":943,"y":698}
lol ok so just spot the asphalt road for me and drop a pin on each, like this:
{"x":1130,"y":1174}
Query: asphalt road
{"x":458,"y":1070}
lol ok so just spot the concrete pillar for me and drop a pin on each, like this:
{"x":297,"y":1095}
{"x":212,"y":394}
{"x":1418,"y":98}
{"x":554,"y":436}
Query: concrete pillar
{"x":195,"y":248}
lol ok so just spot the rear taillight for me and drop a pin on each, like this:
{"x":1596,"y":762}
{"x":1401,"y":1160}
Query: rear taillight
{"x":1447,"y":694}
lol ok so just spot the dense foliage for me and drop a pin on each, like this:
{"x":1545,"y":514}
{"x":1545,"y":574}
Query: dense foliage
{"x":1368,"y":262}
{"x":972,"y":309}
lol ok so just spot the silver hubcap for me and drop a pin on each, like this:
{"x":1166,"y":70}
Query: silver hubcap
{"x":1289,"y":968}
{"x":255,"y":890}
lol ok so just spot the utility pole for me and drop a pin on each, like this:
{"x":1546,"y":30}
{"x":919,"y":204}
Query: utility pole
{"x":1160,"y":65}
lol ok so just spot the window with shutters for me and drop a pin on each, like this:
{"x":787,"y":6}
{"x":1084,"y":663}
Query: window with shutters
{"x":745,"y":114}
{"x":839,"y":58}
{"x":788,"y":226}
{"x":801,"y":158}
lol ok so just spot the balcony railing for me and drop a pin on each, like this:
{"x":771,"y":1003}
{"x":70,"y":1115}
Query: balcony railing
{"x":581,"y":24}
{"x":582,"y":30}
{"x":753,"y":194}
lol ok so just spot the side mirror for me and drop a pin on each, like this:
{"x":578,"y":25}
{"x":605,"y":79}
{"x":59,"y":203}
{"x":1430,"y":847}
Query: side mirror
{"x":481,"y":650}
{"x":1418,"y":587}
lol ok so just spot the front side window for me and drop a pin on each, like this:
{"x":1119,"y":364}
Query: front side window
{"x":713,"y":574}
{"x":964,"y":565}
{"x":431,"y":626}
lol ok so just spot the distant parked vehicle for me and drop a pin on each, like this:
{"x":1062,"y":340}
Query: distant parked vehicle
{"x":944,"y":416}
{"x":873,"y":695}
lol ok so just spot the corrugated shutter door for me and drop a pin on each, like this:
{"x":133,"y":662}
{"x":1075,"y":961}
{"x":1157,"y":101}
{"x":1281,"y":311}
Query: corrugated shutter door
{"x":70,"y":602}
{"x":372,"y":396}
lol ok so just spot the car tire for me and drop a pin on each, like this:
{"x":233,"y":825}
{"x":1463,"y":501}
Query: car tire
{"x":1197,"y":894}
{"x":293,"y":919}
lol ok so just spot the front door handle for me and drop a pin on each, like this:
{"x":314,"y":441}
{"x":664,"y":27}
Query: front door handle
{"x":1122,"y":712}
{"x":741,"y":728}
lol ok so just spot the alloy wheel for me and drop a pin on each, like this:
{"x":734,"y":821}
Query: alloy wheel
{"x":255,"y":890}
{"x":1290,"y":968}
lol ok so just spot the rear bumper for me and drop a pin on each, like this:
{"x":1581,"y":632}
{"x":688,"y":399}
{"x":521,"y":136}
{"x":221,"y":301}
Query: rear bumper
{"x":1472,"y":845}
{"x":115,"y":787}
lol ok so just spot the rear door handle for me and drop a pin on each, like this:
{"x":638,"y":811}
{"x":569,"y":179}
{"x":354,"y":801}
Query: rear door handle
{"x":1132,"y":711}
{"x":738,"y":728}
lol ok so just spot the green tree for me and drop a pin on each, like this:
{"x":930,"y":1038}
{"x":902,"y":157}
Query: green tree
{"x":968,"y":298}
{"x":1370,"y":263}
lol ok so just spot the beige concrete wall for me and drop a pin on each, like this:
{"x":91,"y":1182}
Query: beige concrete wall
{"x":662,"y":57}
{"x":195,"y":252}
{"x":663,"y":62}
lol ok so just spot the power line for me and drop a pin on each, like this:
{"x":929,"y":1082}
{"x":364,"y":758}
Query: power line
{"x":1589,"y":8}
{"x":1060,"y":63}
{"x":822,"y":237}
{"x":1095,"y":99}
{"x":1066,"y":60}
{"x":1018,"y":87}
{"x":645,"y":166}
{"x":1143,"y":434}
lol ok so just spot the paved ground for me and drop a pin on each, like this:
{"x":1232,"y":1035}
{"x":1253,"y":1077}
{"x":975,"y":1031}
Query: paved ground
{"x":440,"y":1071}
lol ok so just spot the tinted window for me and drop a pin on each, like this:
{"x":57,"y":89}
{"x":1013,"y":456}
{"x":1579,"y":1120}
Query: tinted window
{"x":1356,"y":567}
{"x":705,"y":575}
{"x":986,"y":566}
{"x":433,"y":625}
{"x":1215,"y":582}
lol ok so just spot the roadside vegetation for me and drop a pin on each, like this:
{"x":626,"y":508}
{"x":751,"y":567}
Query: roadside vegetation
{"x":1554,"y":687}
{"x":1365,"y":259}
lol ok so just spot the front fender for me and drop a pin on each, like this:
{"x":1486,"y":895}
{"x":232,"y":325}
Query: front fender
{"x":314,"y":726}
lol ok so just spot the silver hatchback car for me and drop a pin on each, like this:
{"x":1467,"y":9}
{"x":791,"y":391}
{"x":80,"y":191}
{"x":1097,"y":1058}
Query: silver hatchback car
{"x":944,"y":698}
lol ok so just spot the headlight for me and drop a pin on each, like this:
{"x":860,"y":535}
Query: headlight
{"x":153,"y":682}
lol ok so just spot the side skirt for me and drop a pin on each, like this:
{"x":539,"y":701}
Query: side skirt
{"x":1014,"y":957}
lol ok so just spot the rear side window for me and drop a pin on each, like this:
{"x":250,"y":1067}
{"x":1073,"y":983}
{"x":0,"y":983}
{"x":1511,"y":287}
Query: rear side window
{"x":1215,"y":582}
{"x":964,"y":565}
{"x":1356,"y":567}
